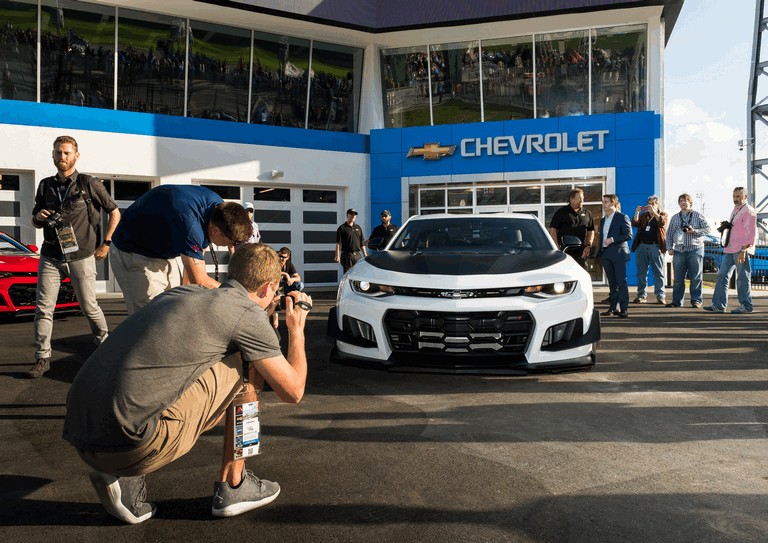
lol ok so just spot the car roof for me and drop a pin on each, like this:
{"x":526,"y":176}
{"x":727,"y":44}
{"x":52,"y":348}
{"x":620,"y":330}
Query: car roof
{"x":436,"y":216}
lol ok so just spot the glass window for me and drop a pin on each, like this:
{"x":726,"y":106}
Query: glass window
{"x":405,"y":78}
{"x":271,"y":194}
{"x":460,"y":197}
{"x":525,"y":195}
{"x":9,"y":181}
{"x":557,"y":194}
{"x":320,"y":196}
{"x":508,"y":78}
{"x":432,"y":198}
{"x":491,"y":196}
{"x":562,"y":67}
{"x":226,"y":192}
{"x":593,"y":192}
{"x":18,"y":50}
{"x":218,"y":72}
{"x":333,"y":101}
{"x":151,"y":56}
{"x":76,"y":61}
{"x":455,"y":82}
{"x":619,"y":71}
{"x":280,"y":70}
{"x":130,"y":190}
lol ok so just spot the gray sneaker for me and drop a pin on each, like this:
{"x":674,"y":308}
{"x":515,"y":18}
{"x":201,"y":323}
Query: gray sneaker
{"x":41,"y":366}
{"x":123,"y":497}
{"x":713,"y":308}
{"x":741,"y":309}
{"x":250,"y":494}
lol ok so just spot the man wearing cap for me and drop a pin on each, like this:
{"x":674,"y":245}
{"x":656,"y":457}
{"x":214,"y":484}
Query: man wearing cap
{"x":349,"y":242}
{"x":386,"y":230}
{"x":255,"y":235}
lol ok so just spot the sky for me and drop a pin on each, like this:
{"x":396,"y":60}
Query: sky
{"x":707,"y":67}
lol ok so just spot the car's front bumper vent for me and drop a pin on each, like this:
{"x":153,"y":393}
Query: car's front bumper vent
{"x":473,"y":333}
{"x":23,"y":294}
{"x":459,"y":294}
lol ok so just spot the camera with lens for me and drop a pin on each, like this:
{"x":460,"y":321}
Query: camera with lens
{"x":687,"y":228}
{"x":54,"y":220}
{"x":282,"y":302}
{"x":724,"y":225}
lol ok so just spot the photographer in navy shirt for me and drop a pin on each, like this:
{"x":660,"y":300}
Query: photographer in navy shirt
{"x":167,"y":222}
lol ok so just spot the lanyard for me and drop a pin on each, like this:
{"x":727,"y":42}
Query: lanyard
{"x":215,"y":264}
{"x":66,"y":192}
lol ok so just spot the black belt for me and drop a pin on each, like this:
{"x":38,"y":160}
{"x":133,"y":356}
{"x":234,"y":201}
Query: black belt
{"x":650,"y":242}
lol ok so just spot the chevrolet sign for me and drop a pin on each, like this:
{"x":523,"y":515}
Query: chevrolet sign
{"x":529,"y":143}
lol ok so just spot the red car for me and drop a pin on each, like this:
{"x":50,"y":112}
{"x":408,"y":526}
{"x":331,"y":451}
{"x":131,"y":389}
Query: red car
{"x":18,"y":279}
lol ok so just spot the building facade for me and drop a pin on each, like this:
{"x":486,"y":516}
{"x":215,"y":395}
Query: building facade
{"x":310,"y":111}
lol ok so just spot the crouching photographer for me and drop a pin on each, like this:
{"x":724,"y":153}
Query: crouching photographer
{"x":738,"y":246}
{"x":68,"y":208}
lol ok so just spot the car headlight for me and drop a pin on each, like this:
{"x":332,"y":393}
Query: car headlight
{"x":547,"y":290}
{"x":371,"y":289}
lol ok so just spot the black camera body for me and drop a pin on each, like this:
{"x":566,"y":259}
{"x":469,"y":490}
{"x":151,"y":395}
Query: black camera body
{"x":54,"y":220}
{"x":724,"y":225}
{"x":687,"y":228}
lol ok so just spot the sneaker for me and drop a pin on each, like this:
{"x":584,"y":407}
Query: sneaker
{"x":639,"y":300}
{"x":660,"y":300}
{"x":741,"y":309}
{"x":713,"y":309}
{"x":673,"y":305}
{"x":41,"y":366}
{"x":696,"y":304}
{"x":123,"y":497}
{"x":250,"y":494}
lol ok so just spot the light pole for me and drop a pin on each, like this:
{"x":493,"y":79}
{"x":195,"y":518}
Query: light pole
{"x":700,"y":196}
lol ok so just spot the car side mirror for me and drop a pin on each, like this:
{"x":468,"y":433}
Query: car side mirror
{"x":32,"y":247}
{"x":570,"y":242}
{"x":377,"y":244}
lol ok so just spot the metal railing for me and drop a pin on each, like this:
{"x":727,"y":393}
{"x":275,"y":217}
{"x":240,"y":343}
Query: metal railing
{"x":713,"y":258}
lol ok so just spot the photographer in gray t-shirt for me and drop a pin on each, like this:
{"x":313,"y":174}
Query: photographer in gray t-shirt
{"x":170,"y":372}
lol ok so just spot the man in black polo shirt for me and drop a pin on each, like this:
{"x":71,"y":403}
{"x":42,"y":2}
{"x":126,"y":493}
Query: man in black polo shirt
{"x":574,"y":220}
{"x":386,"y":230}
{"x":349,"y":242}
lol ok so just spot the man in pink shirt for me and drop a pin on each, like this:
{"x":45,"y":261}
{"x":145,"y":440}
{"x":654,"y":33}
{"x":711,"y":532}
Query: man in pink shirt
{"x":739,"y":247}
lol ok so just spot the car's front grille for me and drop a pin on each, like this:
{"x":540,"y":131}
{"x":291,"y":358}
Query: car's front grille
{"x":472,"y":333}
{"x":23,"y":294}
{"x":458,"y":294}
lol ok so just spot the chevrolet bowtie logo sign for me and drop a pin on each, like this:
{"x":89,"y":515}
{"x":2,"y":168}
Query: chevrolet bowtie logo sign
{"x":431,"y":151}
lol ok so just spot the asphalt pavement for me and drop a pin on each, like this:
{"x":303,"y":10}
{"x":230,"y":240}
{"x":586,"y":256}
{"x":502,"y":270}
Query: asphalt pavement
{"x":664,"y":440}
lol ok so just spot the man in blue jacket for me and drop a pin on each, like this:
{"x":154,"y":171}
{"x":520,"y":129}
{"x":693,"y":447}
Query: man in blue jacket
{"x":615,"y":232}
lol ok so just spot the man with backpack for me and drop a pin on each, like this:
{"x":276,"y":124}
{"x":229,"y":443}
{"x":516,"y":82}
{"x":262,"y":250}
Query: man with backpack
{"x":68,"y":208}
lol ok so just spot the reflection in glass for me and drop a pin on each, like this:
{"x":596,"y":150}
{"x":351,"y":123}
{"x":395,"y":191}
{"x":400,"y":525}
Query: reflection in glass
{"x":151,"y":55}
{"x":227,"y":192}
{"x":525,"y":195}
{"x":619,"y":70}
{"x":491,"y":196}
{"x":218,"y":72}
{"x":593,"y":192}
{"x":130,"y":190}
{"x":455,"y":81}
{"x":404,"y":75}
{"x":272,"y":194}
{"x":432,"y":198}
{"x":280,"y":70}
{"x":562,"y":66}
{"x":508,"y":78}
{"x":18,"y":46}
{"x":556,"y":193}
{"x":460,"y":197}
{"x":333,"y":100}
{"x":319,"y":196}
{"x":76,"y":61}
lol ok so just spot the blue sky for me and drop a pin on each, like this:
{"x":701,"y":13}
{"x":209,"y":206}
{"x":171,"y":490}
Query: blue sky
{"x":706,"y":84}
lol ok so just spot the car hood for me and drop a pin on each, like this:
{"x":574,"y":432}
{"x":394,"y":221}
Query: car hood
{"x":19,"y":263}
{"x":460,"y":263}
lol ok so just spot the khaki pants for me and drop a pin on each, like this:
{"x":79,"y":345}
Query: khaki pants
{"x":197,"y":410}
{"x":142,"y":278}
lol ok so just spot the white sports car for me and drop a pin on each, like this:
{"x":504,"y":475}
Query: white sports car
{"x":467,"y":293}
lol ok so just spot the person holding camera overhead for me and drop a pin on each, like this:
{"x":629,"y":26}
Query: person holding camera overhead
{"x":738,"y":240}
{"x":649,"y":246}
{"x":68,"y":208}
{"x":685,"y":243}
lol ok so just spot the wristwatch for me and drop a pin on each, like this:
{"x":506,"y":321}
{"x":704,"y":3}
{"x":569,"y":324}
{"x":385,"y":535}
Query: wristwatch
{"x":107,"y":242}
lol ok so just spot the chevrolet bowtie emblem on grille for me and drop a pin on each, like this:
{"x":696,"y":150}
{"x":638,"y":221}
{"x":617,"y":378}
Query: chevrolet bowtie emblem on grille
{"x":456,"y":294}
{"x":431,"y":151}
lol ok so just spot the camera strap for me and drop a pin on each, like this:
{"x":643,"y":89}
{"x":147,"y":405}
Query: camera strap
{"x":215,"y":264}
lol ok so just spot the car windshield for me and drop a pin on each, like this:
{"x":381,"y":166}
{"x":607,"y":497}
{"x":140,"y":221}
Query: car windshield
{"x":471,"y":234}
{"x":10,"y":247}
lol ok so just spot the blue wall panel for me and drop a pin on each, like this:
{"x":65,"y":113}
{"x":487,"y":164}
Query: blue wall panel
{"x":386,"y":165}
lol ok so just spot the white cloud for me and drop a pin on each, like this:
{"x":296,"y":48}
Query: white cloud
{"x":702,"y":158}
